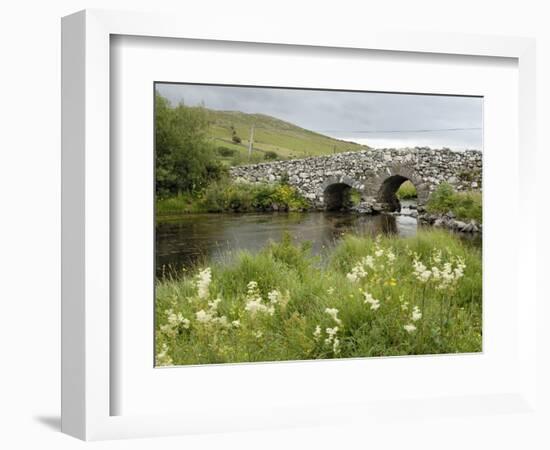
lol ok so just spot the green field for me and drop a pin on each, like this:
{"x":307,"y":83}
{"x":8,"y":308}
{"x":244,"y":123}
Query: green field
{"x":286,"y":140}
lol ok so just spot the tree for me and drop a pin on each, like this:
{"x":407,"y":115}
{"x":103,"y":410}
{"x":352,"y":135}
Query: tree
{"x":185,"y":160}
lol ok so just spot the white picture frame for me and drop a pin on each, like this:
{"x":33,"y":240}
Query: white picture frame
{"x":87,"y":325}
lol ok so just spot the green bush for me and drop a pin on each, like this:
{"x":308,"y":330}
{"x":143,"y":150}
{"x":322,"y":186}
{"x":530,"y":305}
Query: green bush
{"x":184,"y":157}
{"x":226,"y":152}
{"x":270,"y":155}
{"x":464,"y":205}
{"x":245,"y":197}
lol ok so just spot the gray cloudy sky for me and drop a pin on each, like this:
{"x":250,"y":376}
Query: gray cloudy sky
{"x":376,"y":119}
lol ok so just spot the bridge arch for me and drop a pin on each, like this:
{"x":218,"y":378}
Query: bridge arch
{"x":389,"y":184}
{"x":337,"y":192}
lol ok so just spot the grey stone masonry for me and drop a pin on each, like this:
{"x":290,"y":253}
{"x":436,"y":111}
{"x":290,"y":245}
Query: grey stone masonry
{"x":376,"y":174}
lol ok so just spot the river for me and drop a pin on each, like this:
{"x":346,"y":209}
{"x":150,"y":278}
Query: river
{"x":191,"y":239}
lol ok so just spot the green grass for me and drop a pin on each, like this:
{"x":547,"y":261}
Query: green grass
{"x":406,"y":190}
{"x":464,"y":205}
{"x":227,"y":196}
{"x":287,"y":140}
{"x":302,"y":289}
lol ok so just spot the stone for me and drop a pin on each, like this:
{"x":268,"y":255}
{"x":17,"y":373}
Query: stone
{"x":368,"y":170}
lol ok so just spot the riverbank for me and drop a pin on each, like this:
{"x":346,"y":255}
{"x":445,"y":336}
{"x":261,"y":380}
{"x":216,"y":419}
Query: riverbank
{"x":227,"y":196}
{"x":374,"y":297}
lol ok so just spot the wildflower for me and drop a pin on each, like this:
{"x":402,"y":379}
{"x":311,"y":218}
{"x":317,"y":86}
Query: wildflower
{"x":252,"y":289}
{"x":357,"y":273}
{"x":255,"y":306}
{"x":378,"y":253}
{"x":258,"y":334}
{"x":410,"y":328}
{"x":331,"y":334}
{"x":391,"y":256}
{"x":368,"y":261}
{"x":203,"y":316}
{"x":336,"y":346}
{"x":236,"y":323}
{"x":168,"y":330}
{"x":317,"y":333}
{"x":163,"y":359}
{"x":391,"y":282}
{"x":404,"y":306}
{"x":421,"y":271}
{"x":333,"y":312}
{"x":374,"y":304}
{"x":330,"y":291}
{"x":222,"y":321}
{"x":214,"y":304}
{"x":274,"y":297}
{"x":203,"y":282}
{"x":416,"y":314}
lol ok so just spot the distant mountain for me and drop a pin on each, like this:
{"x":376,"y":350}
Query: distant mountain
{"x":285,"y":139}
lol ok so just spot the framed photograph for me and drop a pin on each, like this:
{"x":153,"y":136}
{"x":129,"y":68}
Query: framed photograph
{"x":270,"y":229}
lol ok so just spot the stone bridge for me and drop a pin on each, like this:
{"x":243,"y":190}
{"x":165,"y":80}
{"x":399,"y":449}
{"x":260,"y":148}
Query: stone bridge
{"x":327,"y":181}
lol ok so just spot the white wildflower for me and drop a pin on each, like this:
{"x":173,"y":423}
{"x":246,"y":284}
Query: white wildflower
{"x":378,"y":253}
{"x":391,"y":256}
{"x":368,"y":261}
{"x":222,"y":321}
{"x":258,"y":334}
{"x":416,"y":314}
{"x":203,"y":282}
{"x":162,"y":358}
{"x":256,"y":306}
{"x":358,"y":272}
{"x":236,"y":323}
{"x":252,"y":288}
{"x":168,"y":330}
{"x":330,"y":291}
{"x":274,"y":296}
{"x":374,"y":303}
{"x":336,"y":346}
{"x":317,"y":333}
{"x":410,"y":328}
{"x":214,"y":304}
{"x":421,"y":271}
{"x":331,"y":334}
{"x":203,"y":316}
{"x":333,"y":312}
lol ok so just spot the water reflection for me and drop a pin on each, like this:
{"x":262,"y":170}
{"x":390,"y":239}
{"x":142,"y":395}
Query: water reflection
{"x":193,"y":239}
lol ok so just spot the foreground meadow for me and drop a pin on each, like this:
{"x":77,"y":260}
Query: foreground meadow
{"x":369,"y":297}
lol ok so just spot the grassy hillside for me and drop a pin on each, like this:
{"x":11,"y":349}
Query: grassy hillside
{"x":284,"y":139}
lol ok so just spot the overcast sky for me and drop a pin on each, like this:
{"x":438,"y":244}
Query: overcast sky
{"x":376,"y":119}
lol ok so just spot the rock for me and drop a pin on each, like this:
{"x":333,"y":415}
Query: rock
{"x":459,"y":225}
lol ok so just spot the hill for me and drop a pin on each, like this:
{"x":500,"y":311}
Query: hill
{"x":273,"y":138}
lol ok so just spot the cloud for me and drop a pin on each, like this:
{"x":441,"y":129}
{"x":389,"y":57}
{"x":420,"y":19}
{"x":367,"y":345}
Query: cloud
{"x":376,"y":119}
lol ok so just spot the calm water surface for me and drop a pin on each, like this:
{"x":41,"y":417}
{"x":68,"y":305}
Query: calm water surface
{"x":191,"y":239}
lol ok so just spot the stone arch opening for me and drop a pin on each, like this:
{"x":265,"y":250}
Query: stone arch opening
{"x":387,"y":195}
{"x":338,"y":196}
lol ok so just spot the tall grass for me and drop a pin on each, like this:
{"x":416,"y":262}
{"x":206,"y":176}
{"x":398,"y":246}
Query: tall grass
{"x":464,"y":205}
{"x":390,"y":296}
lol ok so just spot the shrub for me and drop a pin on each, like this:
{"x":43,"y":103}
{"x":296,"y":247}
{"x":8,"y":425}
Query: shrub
{"x":464,"y":205}
{"x":226,"y":152}
{"x":270,"y":155}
